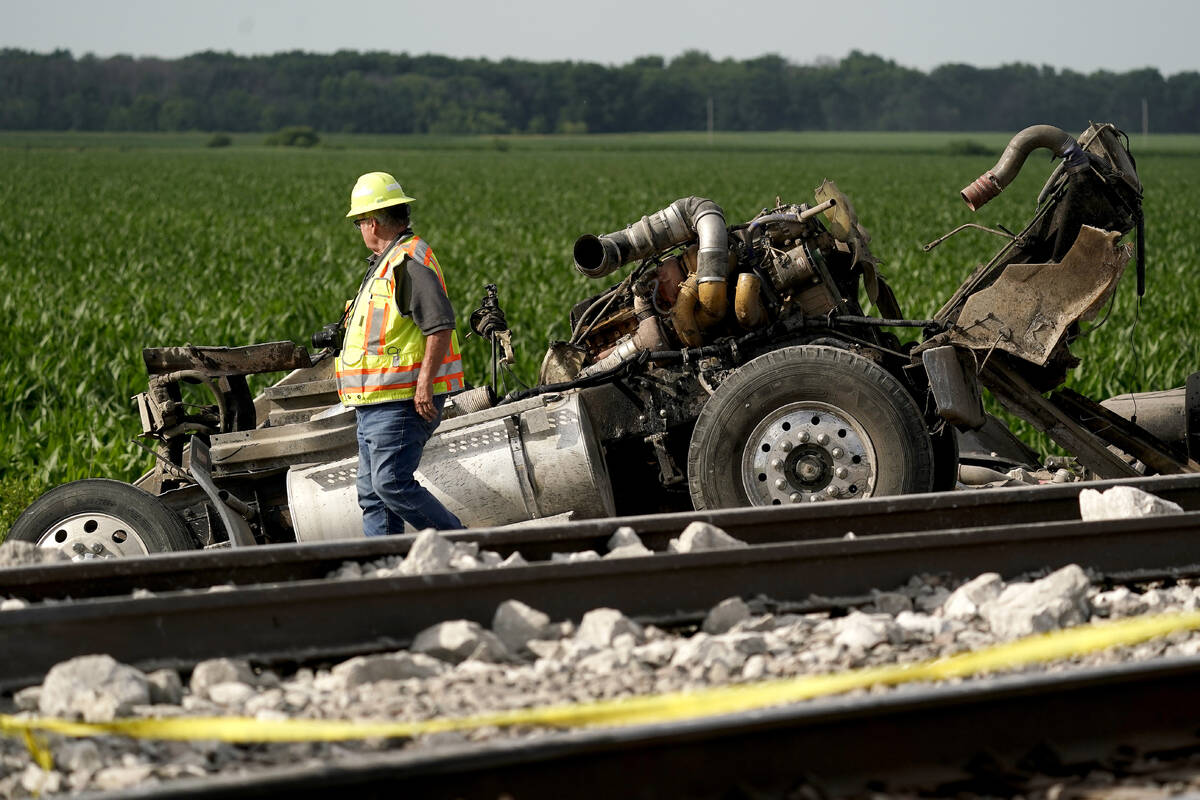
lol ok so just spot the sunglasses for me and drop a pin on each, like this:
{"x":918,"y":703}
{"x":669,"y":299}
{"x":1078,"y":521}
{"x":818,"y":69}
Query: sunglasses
{"x":358,"y":223}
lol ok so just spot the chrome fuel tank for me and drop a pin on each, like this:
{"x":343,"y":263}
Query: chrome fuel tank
{"x":526,"y":460}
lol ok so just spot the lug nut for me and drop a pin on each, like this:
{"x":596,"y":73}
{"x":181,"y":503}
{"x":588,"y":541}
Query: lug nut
{"x":832,"y":490}
{"x":837,"y":452}
{"x":776,"y":464}
{"x":794,"y":497}
{"x":786,"y":446}
{"x":841,"y":472}
{"x":780,"y":483}
{"x":823,"y":439}
{"x":803,"y":437}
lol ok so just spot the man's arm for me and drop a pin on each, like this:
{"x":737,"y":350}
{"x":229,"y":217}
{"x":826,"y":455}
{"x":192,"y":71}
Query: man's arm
{"x":436,"y":346}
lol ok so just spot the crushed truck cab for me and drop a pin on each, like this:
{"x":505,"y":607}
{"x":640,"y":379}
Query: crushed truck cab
{"x":762,"y":362}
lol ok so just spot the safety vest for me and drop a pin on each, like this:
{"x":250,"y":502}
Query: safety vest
{"x":383,"y":349}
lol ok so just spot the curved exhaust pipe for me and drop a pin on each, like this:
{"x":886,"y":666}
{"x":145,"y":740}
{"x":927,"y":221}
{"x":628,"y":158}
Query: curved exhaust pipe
{"x":597,"y":256}
{"x":992,"y":182}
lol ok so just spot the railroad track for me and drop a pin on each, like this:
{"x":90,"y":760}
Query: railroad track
{"x":271,"y":619}
{"x":987,"y":736}
{"x":863,"y":518}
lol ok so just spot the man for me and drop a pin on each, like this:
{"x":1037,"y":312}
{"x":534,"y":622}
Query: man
{"x":398,"y":360}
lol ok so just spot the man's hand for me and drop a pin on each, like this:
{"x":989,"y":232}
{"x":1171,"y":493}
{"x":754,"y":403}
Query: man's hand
{"x":423,"y":401}
{"x":436,"y":347}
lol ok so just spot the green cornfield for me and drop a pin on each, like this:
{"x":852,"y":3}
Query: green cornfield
{"x":111,"y":243}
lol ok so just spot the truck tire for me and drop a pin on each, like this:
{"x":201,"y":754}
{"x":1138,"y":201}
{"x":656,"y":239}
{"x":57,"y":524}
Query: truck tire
{"x":103,"y":518}
{"x":801,"y":424}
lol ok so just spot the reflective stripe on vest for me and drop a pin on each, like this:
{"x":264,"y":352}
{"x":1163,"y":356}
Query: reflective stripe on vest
{"x":383,"y":349}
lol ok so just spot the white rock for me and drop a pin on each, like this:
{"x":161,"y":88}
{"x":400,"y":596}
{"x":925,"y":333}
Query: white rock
{"x":623,"y":537}
{"x":703,"y":651}
{"x":220,"y":670}
{"x":601,"y":626}
{"x":544,"y":649}
{"x":267,"y":702}
{"x":28,"y":699}
{"x":1118,"y":602}
{"x":71,"y":755}
{"x":349,"y":570}
{"x":97,"y":688}
{"x":964,"y":602}
{"x":516,"y":623}
{"x":698,"y":536}
{"x":602,"y":662}
{"x":165,"y":687}
{"x":860,"y":632}
{"x":1055,"y":601}
{"x":514,"y":559}
{"x":1154,"y":600}
{"x":12,"y":604}
{"x":459,"y":640}
{"x":891,"y":602}
{"x":754,"y":668}
{"x":466,"y":549}
{"x":920,"y":627}
{"x":490,"y":558}
{"x":38,"y":782}
{"x":1123,"y":502}
{"x":932,"y":601}
{"x":748,"y":644}
{"x":475,"y":668}
{"x":111,"y":779}
{"x":624,"y":642}
{"x":386,"y":667}
{"x":430,"y":552}
{"x":629,"y":551}
{"x":231,"y":695}
{"x":655,"y":654}
{"x":462,"y":561}
{"x":725,"y":614}
{"x":571,"y":558}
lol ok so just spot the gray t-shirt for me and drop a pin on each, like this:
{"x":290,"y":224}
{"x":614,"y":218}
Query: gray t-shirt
{"x":419,"y":295}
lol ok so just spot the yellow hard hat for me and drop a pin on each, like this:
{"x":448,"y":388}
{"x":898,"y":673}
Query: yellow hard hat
{"x":376,"y":190}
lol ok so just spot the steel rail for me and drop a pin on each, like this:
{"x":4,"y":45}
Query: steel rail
{"x":984,"y":737}
{"x":536,"y":542}
{"x":306,"y":620}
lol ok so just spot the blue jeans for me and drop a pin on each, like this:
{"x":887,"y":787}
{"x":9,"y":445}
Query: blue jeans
{"x":391,"y":437}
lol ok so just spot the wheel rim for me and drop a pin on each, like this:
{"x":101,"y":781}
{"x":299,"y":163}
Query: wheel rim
{"x":807,"y":452}
{"x":94,"y":536}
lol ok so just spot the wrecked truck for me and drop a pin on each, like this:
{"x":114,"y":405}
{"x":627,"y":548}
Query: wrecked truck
{"x":733,"y":365}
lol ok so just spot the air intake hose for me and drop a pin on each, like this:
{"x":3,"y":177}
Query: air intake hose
{"x":992,"y":182}
{"x":688,"y":217}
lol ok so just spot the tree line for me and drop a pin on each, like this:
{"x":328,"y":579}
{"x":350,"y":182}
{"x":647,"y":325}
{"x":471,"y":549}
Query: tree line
{"x":400,"y":93}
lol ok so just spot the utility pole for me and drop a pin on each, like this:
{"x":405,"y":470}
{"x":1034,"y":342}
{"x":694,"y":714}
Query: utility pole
{"x":710,"y":120}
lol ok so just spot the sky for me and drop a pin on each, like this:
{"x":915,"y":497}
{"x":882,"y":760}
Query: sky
{"x":1117,"y":35}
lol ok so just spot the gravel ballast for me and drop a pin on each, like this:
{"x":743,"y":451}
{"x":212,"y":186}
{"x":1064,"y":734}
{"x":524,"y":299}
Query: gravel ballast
{"x":526,"y":660}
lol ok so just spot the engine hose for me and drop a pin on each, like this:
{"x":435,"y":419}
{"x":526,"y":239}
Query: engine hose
{"x":688,"y":217}
{"x":992,"y":182}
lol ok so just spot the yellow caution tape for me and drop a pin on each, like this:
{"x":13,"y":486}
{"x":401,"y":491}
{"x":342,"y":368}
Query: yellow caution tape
{"x":627,"y":711}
